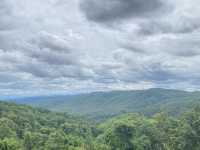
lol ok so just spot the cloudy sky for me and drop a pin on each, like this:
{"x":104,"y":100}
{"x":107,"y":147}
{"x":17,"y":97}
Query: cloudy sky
{"x":72,"y":46}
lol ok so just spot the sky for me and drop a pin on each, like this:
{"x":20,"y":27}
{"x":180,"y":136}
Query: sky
{"x":63,"y":46}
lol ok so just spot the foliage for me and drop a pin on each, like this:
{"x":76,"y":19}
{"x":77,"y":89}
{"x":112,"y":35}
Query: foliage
{"x":26,"y":128}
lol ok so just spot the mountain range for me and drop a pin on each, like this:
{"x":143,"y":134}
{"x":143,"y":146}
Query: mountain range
{"x":100,"y":105}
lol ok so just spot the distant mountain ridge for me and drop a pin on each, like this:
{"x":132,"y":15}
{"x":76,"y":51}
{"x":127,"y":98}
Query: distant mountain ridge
{"x":104,"y":104}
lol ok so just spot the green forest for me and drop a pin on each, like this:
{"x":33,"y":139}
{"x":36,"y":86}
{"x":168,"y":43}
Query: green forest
{"x":103,"y":105}
{"x":25,"y":128}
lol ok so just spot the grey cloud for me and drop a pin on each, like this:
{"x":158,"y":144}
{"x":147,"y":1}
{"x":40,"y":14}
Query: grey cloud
{"x":6,"y":77}
{"x":107,"y":11}
{"x":153,"y":68}
{"x":52,"y":49}
{"x":43,"y":70}
{"x":36,"y":69}
{"x":157,"y":72}
{"x":6,"y":15}
{"x":54,"y":58}
{"x":15,"y":85}
{"x":5,"y":7}
{"x":53,"y":42}
{"x":132,"y":47}
{"x":180,"y":25}
{"x":184,"y":46}
{"x":44,"y":63}
{"x":106,"y":72}
{"x":181,"y":45}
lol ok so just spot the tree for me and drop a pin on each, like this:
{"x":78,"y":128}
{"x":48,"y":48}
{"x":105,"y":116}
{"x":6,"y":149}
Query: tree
{"x":10,"y":144}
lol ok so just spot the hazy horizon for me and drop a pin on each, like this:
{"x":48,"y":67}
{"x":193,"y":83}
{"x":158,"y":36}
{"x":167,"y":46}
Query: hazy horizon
{"x":35,"y":96}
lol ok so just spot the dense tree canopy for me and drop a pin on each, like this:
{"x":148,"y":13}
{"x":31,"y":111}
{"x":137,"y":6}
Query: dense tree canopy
{"x":26,"y":128}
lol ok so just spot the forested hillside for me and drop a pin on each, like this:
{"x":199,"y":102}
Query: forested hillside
{"x":26,"y":128}
{"x":101,"y":105}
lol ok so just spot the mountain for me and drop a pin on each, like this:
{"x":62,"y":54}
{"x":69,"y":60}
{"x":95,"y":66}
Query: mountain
{"x":99,"y":105}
